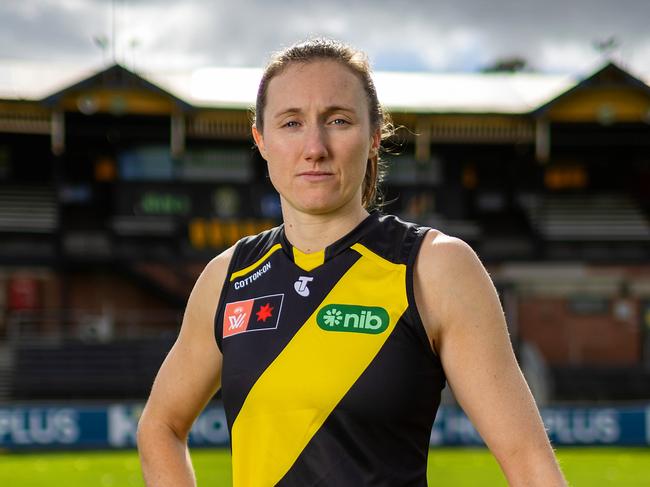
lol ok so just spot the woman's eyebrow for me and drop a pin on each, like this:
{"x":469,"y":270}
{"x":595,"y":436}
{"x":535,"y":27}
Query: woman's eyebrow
{"x":339,"y":108}
{"x":287,"y":111}
{"x":329,"y":109}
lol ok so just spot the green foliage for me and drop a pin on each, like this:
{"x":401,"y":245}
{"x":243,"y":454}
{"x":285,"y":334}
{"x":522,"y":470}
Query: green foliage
{"x":447,"y":467}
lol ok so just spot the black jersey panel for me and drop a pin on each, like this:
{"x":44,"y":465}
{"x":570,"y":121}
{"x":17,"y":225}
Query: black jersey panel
{"x":247,"y":251}
{"x":251,"y":353}
{"x":342,"y":457}
{"x":391,"y":238}
{"x":217,"y":322}
{"x":253,"y":248}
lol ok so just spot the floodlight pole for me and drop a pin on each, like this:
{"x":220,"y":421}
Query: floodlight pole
{"x":113,"y":29}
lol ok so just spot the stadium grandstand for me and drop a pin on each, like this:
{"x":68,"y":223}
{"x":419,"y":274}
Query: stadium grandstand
{"x":117,"y":187}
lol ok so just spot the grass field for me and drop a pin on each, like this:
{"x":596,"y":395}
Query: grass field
{"x":588,"y":467}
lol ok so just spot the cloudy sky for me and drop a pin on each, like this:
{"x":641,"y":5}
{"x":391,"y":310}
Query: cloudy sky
{"x":433,"y":35}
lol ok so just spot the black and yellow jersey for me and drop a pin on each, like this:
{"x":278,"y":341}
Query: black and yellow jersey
{"x":328,"y":377}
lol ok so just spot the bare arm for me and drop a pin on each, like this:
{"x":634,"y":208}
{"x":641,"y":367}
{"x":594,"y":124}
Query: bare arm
{"x":463,"y":317}
{"x":187,"y":379}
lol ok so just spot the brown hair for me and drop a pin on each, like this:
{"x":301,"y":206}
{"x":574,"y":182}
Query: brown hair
{"x":357,"y":61}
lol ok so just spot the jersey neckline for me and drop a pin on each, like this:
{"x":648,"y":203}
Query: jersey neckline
{"x":313,"y":260}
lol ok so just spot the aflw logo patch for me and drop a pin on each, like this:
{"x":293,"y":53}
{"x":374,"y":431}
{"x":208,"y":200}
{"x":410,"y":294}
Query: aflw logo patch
{"x":252,"y":314}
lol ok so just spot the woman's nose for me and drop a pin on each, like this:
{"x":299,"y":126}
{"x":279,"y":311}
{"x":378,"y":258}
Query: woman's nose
{"x":315,"y":148}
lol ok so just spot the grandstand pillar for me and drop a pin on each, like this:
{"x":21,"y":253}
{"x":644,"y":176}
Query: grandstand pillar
{"x":423,"y":140}
{"x":542,"y":140}
{"x":645,"y":340}
{"x":177,"y":134}
{"x":57,"y":132}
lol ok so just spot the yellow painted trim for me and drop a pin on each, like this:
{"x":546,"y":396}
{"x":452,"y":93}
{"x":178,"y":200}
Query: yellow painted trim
{"x":299,"y":390}
{"x":133,"y":101}
{"x":251,"y":267}
{"x":308,"y":262}
{"x":589,"y":104}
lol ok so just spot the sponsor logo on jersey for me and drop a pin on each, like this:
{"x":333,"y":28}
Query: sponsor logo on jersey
{"x":352,"y":318}
{"x":254,"y":314}
{"x":301,"y":285}
{"x":242,"y":283}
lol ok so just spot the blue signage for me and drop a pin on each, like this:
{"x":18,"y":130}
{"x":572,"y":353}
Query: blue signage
{"x":565,"y":426}
{"x":115,"y":426}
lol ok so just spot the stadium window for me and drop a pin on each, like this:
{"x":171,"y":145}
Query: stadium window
{"x":565,"y":177}
{"x":105,"y":170}
{"x":146,"y":163}
{"x":419,"y":205}
{"x":216,"y":164}
{"x":216,"y":233}
{"x":232,"y":232}
{"x":197,"y":233}
{"x":405,"y":169}
{"x":470,"y":177}
{"x":250,"y":228}
{"x":226,"y":202}
{"x":164,"y":203}
{"x":491,"y":201}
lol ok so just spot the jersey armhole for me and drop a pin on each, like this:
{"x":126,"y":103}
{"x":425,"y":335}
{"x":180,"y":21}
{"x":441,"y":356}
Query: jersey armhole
{"x":418,"y":325}
{"x":218,"y":323}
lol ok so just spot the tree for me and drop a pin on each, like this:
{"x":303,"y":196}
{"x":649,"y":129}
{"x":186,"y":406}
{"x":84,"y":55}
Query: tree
{"x":512,"y":64}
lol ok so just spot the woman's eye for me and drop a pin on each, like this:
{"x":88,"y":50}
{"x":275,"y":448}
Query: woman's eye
{"x":339,"y":121}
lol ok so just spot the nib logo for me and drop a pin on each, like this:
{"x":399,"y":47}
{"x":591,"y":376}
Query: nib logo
{"x":333,"y":317}
{"x":255,"y":314}
{"x":357,"y":319}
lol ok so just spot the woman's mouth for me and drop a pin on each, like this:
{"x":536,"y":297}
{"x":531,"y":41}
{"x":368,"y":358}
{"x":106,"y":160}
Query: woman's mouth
{"x":315,"y":176}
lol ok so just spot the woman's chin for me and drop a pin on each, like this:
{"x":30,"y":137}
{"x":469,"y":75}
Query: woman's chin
{"x":317,"y":206}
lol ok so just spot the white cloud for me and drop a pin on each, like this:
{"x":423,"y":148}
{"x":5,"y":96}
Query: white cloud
{"x":567,"y":57}
{"x":443,"y":35}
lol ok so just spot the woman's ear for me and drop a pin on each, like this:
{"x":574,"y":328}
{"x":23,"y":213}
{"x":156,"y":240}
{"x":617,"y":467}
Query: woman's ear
{"x":259,"y":140}
{"x":375,"y":142}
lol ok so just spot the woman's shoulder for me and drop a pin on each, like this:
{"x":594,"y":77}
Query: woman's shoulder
{"x":445,"y":252}
{"x":449,"y":269}
{"x":448,"y":279}
{"x":214,"y":273}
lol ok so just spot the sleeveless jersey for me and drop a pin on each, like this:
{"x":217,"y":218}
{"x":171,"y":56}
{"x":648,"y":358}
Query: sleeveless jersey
{"x":328,"y":377}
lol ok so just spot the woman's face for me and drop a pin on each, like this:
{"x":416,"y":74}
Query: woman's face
{"x":317,"y":137}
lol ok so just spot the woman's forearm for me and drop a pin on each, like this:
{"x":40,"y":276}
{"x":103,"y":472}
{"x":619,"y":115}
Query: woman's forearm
{"x":533,"y":468}
{"x":164,"y":457}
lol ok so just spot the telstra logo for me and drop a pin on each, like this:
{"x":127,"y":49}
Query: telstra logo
{"x":352,"y":318}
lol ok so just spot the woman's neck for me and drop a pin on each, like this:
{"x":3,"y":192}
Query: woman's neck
{"x":311,"y":233}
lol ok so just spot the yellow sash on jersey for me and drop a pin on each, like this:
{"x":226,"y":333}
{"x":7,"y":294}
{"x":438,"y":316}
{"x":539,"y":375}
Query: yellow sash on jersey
{"x":298,"y":391}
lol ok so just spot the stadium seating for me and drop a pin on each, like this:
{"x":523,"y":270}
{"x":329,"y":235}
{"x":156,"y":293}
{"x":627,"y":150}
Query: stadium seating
{"x":602,"y":217}
{"x":76,"y":369}
{"x":28,"y":209}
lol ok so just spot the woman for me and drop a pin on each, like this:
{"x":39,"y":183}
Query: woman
{"x":335,"y":332}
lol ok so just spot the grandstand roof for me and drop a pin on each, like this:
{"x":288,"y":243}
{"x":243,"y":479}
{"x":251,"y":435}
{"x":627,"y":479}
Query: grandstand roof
{"x":608,"y":75}
{"x":116,"y":77}
{"x":507,"y":93}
